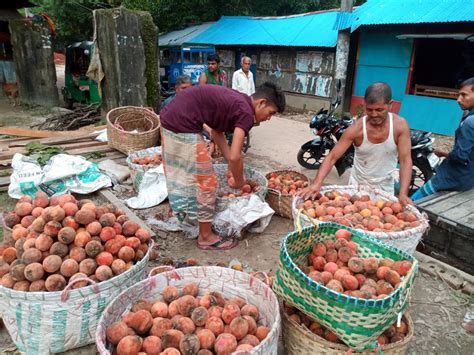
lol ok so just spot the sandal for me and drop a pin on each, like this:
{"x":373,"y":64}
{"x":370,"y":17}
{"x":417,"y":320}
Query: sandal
{"x":217,"y":245}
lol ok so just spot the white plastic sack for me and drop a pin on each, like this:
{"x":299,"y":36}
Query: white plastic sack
{"x":251,"y":214}
{"x":64,"y":173}
{"x":102,"y":135}
{"x":152,"y":189}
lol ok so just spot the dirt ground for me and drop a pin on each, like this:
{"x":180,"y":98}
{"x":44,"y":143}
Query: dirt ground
{"x":437,"y":310}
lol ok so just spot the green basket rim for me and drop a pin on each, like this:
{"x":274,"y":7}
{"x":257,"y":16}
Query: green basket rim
{"x":346,"y":299}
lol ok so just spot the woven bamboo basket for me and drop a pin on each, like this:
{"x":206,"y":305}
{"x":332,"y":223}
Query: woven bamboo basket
{"x":7,"y":233}
{"x":405,"y":240}
{"x":356,"y":321}
{"x":279,"y":202}
{"x":229,"y":282}
{"x":53,"y":322}
{"x":299,"y":340}
{"x":131,"y":128}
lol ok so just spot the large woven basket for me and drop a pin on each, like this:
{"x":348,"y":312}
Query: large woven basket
{"x":279,"y":202}
{"x":230,"y":282}
{"x":406,"y":240}
{"x":356,"y":321}
{"x":53,"y":322}
{"x":131,"y":128}
{"x":249,"y":174}
{"x":299,"y":340}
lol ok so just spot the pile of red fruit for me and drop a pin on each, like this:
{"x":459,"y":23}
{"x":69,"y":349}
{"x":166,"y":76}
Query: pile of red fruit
{"x":149,"y":160}
{"x":248,"y":188}
{"x":59,"y":240}
{"x":184,"y":323}
{"x":360,"y":212}
{"x":334,"y":263}
{"x":392,"y":335}
{"x":287,"y":183}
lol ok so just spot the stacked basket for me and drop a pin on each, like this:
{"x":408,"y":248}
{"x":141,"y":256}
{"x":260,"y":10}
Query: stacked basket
{"x":405,"y":240}
{"x":131,"y":128}
{"x":281,"y":202}
{"x":356,"y":321}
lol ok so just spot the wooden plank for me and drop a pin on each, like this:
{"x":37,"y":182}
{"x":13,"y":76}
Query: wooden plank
{"x":453,"y":201}
{"x":108,"y":195}
{"x":56,"y":140}
{"x":468,"y":221}
{"x":432,"y":199}
{"x":35,"y":133}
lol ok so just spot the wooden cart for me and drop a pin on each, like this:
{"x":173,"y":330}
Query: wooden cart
{"x":451,"y":236}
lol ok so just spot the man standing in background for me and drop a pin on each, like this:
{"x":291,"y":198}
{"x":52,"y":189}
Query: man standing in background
{"x":242,"y":79}
{"x":214,"y":74}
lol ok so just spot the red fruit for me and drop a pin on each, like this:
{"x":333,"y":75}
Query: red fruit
{"x":360,"y":278}
{"x":319,"y":249}
{"x":129,"y":345}
{"x":225,"y":344}
{"x":381,"y":271}
{"x":340,"y":273}
{"x":319,"y":263}
{"x":350,"y":283}
{"x":402,"y":267}
{"x":262,"y":332}
{"x":371,"y":265}
{"x":356,"y":265}
{"x":335,"y":285}
{"x":103,"y":273}
{"x":104,"y":258}
{"x":230,"y":311}
{"x":170,"y":293}
{"x":345,"y":254}
{"x":126,"y":254}
{"x":331,"y":267}
{"x":250,"y":310}
{"x":331,"y":255}
{"x":66,"y":235}
{"x":107,"y":233}
{"x":393,"y":277}
{"x":343,"y":234}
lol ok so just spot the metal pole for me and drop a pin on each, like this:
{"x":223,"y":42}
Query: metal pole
{"x":342,"y":54}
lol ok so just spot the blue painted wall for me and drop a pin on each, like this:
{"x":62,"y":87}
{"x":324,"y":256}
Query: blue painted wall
{"x":383,"y":57}
{"x":432,"y":114}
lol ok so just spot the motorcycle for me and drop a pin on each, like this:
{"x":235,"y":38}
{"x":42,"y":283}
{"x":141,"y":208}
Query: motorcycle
{"x":328,"y":129}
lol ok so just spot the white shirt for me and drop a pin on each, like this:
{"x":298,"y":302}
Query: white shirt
{"x":242,"y":82}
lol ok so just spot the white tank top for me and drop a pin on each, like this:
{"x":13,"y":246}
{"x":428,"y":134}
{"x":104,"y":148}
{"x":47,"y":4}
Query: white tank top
{"x":375,"y":164}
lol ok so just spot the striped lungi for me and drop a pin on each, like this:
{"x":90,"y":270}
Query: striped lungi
{"x":190,"y":177}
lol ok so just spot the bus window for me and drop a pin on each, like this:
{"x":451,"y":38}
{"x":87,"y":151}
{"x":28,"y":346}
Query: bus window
{"x":197,"y":58}
{"x":187,"y":57}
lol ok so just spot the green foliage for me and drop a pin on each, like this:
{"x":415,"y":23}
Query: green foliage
{"x":41,"y":152}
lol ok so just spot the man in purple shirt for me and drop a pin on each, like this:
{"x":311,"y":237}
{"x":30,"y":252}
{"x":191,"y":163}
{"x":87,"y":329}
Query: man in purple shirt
{"x":190,"y":177}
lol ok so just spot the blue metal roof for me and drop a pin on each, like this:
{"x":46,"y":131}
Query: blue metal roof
{"x":307,"y":30}
{"x":387,"y":12}
{"x":178,"y":38}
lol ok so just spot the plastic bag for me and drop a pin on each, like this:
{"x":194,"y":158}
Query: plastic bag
{"x":152,"y":189}
{"x":251,"y":214}
{"x":64,"y":173}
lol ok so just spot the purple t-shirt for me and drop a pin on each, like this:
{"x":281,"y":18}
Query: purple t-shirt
{"x":221,"y":108}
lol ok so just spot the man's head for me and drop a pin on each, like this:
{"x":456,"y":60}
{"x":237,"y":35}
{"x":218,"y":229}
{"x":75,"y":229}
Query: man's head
{"x":466,"y":94}
{"x":245,"y":62}
{"x":182,"y":83}
{"x":378,"y":101}
{"x":267,"y":100}
{"x":213,"y":62}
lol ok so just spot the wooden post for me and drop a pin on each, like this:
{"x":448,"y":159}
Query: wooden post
{"x":342,"y":54}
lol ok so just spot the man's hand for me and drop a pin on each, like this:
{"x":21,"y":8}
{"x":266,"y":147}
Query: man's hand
{"x":311,"y":192}
{"x":405,"y":200}
{"x":440,"y":153}
{"x":235,"y":184}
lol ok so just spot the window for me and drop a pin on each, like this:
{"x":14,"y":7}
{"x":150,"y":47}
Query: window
{"x":197,"y":58}
{"x":440,"y":65}
{"x":187,"y":57}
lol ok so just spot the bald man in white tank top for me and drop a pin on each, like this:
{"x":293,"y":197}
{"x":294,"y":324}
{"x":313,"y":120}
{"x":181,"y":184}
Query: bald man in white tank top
{"x":380,"y":140}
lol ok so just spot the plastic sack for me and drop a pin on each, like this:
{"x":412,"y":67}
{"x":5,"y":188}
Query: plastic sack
{"x":63,"y":174}
{"x":152,"y":189}
{"x":250,"y":214}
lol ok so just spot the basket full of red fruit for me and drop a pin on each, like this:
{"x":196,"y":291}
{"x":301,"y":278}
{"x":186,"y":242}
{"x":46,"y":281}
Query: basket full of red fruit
{"x":282,"y":186}
{"x":375,"y":212}
{"x":193,"y":310}
{"x":354,"y":284}
{"x":305,"y":335}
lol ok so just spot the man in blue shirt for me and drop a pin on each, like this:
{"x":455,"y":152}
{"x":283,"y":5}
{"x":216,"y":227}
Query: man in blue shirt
{"x":456,"y":172}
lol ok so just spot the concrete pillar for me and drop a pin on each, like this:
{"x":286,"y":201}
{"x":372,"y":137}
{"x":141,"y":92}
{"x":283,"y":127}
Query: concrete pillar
{"x":342,"y":54}
{"x":34,"y":63}
{"x":128,"y":47}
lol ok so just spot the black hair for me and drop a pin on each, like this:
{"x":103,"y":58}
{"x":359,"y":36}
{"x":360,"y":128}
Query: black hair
{"x":377,"y":92}
{"x":272,"y":93}
{"x":468,"y":82}
{"x":214,"y":57}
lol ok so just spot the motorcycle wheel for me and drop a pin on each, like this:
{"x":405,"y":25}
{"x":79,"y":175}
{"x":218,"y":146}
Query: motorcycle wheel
{"x":309,"y":158}
{"x":421,"y":173}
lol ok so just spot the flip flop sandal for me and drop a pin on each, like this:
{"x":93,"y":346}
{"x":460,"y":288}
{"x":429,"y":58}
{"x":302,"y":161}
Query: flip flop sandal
{"x":217,"y":245}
